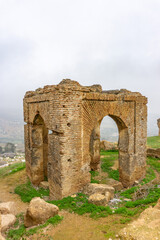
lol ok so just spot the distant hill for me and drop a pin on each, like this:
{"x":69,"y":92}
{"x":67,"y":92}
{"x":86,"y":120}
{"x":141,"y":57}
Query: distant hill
{"x":11,"y":131}
{"x":109,"y":130}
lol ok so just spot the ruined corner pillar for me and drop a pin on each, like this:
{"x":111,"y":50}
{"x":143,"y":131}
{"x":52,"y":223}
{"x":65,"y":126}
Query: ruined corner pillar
{"x":158,"y":123}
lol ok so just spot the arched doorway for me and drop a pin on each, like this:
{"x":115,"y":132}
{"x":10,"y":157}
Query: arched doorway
{"x":123,"y":145}
{"x":39,"y":152}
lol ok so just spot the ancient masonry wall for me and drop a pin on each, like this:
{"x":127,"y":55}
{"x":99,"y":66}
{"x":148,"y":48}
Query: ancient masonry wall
{"x":62,"y":134}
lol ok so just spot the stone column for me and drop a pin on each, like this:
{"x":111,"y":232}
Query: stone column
{"x":158,"y":123}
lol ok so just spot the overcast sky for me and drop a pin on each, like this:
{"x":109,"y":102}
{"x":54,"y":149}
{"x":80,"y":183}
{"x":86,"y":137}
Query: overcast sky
{"x":115,"y":43}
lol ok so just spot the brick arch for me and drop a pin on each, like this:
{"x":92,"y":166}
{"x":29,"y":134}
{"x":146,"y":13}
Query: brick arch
{"x":123,"y":144}
{"x":37,"y":167}
{"x":123,"y":115}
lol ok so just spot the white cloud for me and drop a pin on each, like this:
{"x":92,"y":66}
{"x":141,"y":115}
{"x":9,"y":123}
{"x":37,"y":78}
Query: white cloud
{"x":114,"y":43}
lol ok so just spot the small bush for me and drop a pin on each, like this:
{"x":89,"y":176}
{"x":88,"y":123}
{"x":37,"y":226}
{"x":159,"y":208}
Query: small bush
{"x":127,"y":193}
{"x":153,"y":196}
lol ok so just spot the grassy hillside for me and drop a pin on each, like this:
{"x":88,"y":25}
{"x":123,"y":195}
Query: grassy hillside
{"x":153,"y":142}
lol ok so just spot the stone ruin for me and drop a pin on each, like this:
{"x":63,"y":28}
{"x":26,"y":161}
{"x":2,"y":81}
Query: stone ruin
{"x":158,"y":123}
{"x":62,"y":134}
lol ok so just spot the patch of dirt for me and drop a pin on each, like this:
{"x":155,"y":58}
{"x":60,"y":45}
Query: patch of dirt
{"x":7,"y":186}
{"x":76,"y":227}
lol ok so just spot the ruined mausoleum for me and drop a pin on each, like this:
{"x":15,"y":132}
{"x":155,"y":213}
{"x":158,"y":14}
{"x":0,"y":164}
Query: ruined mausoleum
{"x":62,"y":134}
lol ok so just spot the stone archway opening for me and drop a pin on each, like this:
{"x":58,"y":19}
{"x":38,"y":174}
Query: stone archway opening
{"x":121,"y":146}
{"x":39,"y":153}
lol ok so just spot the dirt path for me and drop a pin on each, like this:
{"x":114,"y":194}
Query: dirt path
{"x":7,"y":186}
{"x":75,"y":227}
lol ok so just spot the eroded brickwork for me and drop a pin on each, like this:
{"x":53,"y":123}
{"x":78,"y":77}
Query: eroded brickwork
{"x":62,"y":134}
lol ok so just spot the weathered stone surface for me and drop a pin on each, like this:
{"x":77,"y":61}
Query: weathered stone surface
{"x":152,"y":152}
{"x":97,"y":199}
{"x":115,"y":184}
{"x":105,"y":145}
{"x":44,"y":185}
{"x":93,"y":188}
{"x":158,"y":123}
{"x":1,"y":237}
{"x":145,"y":228}
{"x":38,"y":212}
{"x":7,"y":220}
{"x":7,"y":207}
{"x":108,"y":196}
{"x":62,"y":134}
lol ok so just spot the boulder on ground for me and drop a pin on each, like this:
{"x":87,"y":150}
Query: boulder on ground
{"x":7,"y":207}
{"x":97,"y":199}
{"x":92,"y":188}
{"x":7,"y":220}
{"x":115,"y":184}
{"x":39,"y":211}
{"x":146,"y":227}
{"x":108,"y":196}
{"x":44,"y":184}
{"x":1,"y":237}
{"x":153,"y":152}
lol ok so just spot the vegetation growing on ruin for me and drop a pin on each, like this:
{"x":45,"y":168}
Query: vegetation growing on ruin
{"x":20,"y":231}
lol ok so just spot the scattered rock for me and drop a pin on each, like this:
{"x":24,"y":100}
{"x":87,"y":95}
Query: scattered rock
{"x":38,"y":212}
{"x":74,"y":195}
{"x":92,"y":188}
{"x":115,"y":184}
{"x":97,"y":199}
{"x":105,"y":145}
{"x":7,"y":207}
{"x":108,"y":196}
{"x":1,"y":237}
{"x":145,"y":228}
{"x":44,"y":185}
{"x":153,"y":152}
{"x":127,"y":200}
{"x":7,"y":221}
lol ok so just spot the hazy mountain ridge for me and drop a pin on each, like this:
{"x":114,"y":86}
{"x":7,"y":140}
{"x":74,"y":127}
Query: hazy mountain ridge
{"x":13,"y":131}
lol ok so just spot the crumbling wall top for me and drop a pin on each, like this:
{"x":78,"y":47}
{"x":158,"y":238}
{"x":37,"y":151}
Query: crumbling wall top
{"x":89,"y":92}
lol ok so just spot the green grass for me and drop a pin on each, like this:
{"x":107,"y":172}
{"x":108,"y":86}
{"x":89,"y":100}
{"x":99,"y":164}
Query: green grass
{"x":94,"y":174}
{"x":154,"y":163}
{"x":80,"y":205}
{"x":153,"y":142}
{"x":103,"y":152}
{"x":125,"y":220}
{"x":127,"y":193}
{"x":13,"y":168}
{"x":27,"y":192}
{"x":153,"y":196}
{"x":21,"y":231}
{"x":108,"y":161}
{"x":150,"y":175}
